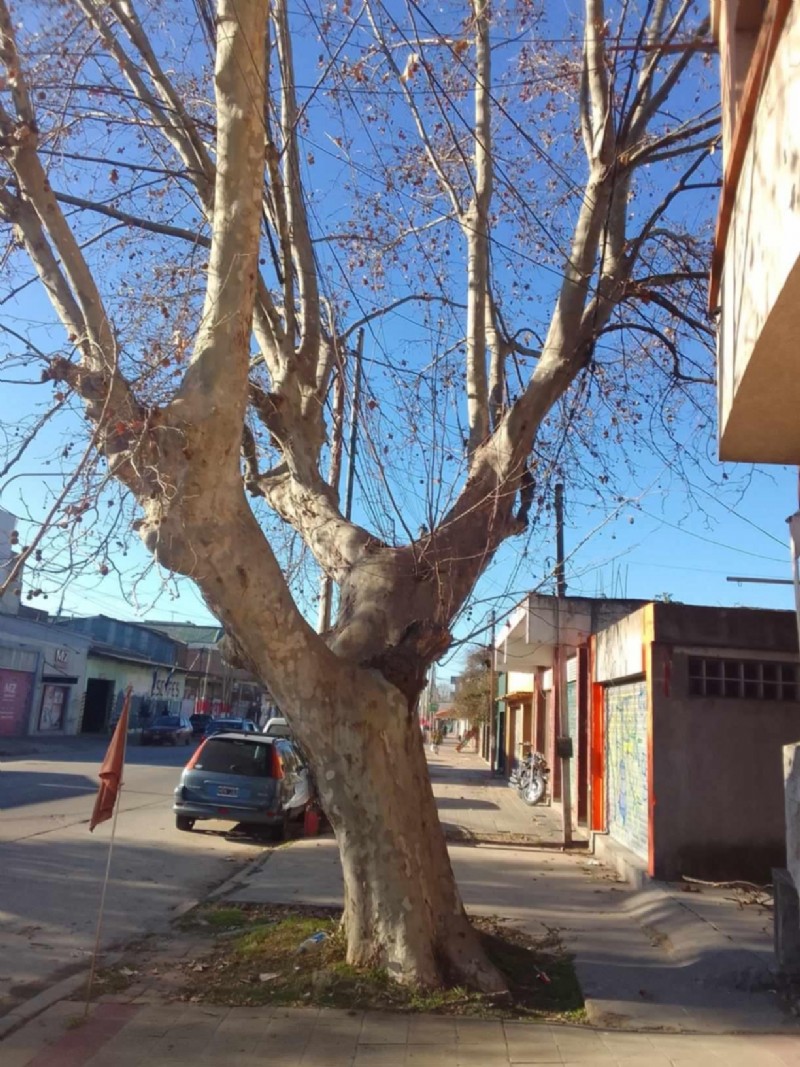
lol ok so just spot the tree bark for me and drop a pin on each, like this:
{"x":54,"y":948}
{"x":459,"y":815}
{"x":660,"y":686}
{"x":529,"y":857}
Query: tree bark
{"x":402,"y":908}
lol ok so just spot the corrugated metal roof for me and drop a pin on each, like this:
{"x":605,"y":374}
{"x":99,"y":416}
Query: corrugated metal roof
{"x":188,"y":633}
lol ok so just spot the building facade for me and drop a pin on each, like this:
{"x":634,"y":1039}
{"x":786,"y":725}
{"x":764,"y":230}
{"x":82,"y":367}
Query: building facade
{"x":755,"y":278}
{"x":676,"y":717}
{"x":122,"y":655}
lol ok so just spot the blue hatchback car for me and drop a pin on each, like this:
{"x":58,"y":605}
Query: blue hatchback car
{"x":243,"y":778}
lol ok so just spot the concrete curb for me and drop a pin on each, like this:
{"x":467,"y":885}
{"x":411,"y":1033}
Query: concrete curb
{"x":29,"y":1009}
{"x":237,"y":880}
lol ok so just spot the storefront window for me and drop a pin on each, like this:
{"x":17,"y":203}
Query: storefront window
{"x":54,"y":705}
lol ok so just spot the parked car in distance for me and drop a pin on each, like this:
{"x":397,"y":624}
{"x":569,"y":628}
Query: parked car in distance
{"x":277,"y":727}
{"x":167,"y":729}
{"x":241,"y":726}
{"x":199,"y":723}
{"x":252,"y":780}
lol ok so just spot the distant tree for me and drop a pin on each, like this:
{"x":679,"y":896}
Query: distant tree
{"x":216,"y":199}
{"x":472,"y":697}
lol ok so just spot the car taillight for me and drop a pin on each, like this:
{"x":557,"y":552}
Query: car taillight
{"x":277,"y":764}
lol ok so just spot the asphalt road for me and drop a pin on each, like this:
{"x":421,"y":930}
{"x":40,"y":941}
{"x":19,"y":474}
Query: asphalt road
{"x":52,"y":868}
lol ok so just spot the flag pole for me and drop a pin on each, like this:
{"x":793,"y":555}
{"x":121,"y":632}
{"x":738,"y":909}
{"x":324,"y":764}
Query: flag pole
{"x":96,"y":949}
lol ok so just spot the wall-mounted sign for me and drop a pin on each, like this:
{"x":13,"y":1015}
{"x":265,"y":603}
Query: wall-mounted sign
{"x":61,"y":657}
{"x":54,"y":703}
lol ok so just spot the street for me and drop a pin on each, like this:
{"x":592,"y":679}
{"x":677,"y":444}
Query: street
{"x":53,"y":868}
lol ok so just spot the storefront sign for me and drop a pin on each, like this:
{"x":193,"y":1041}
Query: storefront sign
{"x":15,"y":690}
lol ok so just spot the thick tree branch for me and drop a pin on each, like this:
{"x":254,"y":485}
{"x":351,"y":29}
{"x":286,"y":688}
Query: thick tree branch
{"x":302,"y":249}
{"x":475,"y":224}
{"x":596,"y":116}
{"x":215,"y":386}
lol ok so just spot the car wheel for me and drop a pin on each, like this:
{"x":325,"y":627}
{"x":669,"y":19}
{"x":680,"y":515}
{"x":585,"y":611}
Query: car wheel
{"x":183,"y":822}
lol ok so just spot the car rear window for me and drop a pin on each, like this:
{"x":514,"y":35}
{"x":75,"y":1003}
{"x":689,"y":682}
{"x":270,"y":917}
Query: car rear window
{"x":167,"y":720}
{"x":279,"y":729}
{"x":231,"y":755}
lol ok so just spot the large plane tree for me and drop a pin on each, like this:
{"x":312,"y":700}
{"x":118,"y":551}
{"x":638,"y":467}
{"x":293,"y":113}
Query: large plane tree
{"x":215,"y":199}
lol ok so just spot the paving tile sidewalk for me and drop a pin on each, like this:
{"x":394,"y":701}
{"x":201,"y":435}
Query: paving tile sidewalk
{"x":193,"y":1035}
{"x":655,"y":958}
{"x":470,"y":799}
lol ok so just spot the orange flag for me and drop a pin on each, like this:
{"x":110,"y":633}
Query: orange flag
{"x":111,"y":769}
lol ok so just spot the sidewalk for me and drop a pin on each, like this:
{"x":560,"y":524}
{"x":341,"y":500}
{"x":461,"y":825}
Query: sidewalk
{"x":653,"y":964}
{"x":657,"y":958}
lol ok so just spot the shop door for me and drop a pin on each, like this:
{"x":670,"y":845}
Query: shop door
{"x":572,"y":731}
{"x":99,"y":693}
{"x":627,"y":794}
{"x":15,"y":693}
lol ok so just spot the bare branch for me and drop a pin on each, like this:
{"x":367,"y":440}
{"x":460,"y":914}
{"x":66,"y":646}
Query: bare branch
{"x":652,"y":102}
{"x":297,"y":218}
{"x":173,"y":122}
{"x":422,"y":298}
{"x":9,"y":57}
{"x":654,"y":150}
{"x":669,"y":344}
{"x":134,"y":221}
{"x":430,"y":151}
{"x":649,"y":228}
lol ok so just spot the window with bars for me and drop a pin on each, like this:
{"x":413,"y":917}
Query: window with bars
{"x":746,"y":679}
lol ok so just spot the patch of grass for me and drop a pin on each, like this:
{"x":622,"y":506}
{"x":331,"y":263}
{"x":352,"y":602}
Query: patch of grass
{"x":264,"y":964}
{"x":215,"y":916}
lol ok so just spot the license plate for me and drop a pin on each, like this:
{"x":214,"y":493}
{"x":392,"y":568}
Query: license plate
{"x":227,"y":791}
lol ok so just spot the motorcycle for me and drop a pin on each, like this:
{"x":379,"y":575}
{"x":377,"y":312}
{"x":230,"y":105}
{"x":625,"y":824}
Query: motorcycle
{"x":533,"y":778}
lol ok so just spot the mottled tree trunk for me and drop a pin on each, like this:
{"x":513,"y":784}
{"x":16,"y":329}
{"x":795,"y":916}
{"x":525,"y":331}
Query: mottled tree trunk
{"x":402,"y":907}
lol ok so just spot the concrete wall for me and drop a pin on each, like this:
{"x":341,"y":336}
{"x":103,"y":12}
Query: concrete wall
{"x":716,"y":784}
{"x":541,"y":622}
{"x":717,"y":777}
{"x":619,"y":649}
{"x":759,"y":388}
{"x":791,"y":777}
{"x":751,"y":629}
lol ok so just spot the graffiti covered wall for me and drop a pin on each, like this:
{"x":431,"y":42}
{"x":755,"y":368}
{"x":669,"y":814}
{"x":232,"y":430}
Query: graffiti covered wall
{"x":626,"y":762}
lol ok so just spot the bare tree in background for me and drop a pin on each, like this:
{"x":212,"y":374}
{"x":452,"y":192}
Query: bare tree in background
{"x":472,"y":699}
{"x":209,"y":284}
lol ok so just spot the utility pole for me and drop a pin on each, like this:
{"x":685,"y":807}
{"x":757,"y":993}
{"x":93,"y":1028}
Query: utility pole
{"x":494,"y":741}
{"x":561,"y":581}
{"x":563,"y":740}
